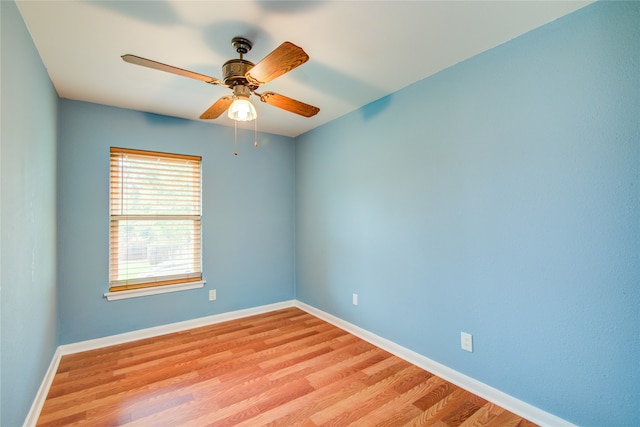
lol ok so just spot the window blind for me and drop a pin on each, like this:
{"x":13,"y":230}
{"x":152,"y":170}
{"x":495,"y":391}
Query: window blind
{"x":155,"y":212}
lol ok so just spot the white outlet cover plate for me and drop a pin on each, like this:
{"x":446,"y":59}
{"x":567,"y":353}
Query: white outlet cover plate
{"x":466,"y":341}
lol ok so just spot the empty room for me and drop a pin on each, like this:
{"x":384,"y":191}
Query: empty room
{"x":315,"y":213}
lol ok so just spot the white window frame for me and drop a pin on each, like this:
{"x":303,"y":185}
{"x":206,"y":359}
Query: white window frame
{"x":126,"y":208}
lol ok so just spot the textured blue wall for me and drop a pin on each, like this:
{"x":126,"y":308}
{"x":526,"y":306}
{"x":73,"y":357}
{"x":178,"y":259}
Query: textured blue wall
{"x":248,"y":219}
{"x":500,"y":197}
{"x":28,"y":245}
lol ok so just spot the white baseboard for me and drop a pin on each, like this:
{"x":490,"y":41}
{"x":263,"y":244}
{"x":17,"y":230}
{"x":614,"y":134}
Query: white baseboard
{"x":491,"y":394}
{"x":43,"y":391}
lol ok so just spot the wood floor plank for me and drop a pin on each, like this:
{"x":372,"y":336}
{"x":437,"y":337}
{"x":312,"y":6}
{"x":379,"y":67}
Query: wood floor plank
{"x":442,"y":408}
{"x":297,"y":411}
{"x":284,"y":368}
{"x":483,"y":416}
{"x":366,"y":401}
{"x":505,"y":419}
{"x":399,"y":410}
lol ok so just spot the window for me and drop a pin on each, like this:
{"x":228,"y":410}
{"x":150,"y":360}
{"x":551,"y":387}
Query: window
{"x":155,"y":213}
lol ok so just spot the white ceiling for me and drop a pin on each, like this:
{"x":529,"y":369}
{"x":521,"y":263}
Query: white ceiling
{"x":360,"y":50}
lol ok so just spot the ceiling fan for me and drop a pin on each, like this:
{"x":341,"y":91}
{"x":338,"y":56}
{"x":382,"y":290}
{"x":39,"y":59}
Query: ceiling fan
{"x":244,"y":78}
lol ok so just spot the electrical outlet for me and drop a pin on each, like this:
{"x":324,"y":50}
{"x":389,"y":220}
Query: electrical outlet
{"x":354,"y":299}
{"x":466,"y":341}
{"x":212,"y":295}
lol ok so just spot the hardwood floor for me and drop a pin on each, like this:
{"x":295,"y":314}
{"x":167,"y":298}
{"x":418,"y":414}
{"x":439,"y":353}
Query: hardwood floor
{"x":284,"y":368}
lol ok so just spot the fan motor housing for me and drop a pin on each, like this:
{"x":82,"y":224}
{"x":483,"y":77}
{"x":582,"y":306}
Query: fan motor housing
{"x":233,"y":71}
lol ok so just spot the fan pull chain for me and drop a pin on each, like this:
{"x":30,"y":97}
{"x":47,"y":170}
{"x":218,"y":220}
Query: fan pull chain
{"x":235,"y":137}
{"x":255,"y":132}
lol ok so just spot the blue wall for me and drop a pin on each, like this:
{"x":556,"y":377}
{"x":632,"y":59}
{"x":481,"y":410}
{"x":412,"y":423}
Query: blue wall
{"x":500,"y":197}
{"x":28,"y":225}
{"x":248,"y":219}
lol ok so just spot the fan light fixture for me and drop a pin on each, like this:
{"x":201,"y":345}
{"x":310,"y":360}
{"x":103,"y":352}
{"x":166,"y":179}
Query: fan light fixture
{"x":242,"y":109}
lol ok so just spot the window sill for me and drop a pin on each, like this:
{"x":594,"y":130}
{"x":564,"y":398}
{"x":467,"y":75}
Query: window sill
{"x":134,"y":293}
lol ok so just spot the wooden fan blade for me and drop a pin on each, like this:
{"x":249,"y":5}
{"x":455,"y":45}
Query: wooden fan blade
{"x":219,"y":107}
{"x":289,"y":104}
{"x":283,"y":59}
{"x":132,"y":59}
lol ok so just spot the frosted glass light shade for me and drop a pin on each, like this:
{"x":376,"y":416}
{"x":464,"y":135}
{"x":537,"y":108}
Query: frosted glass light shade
{"x":242,"y":110}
